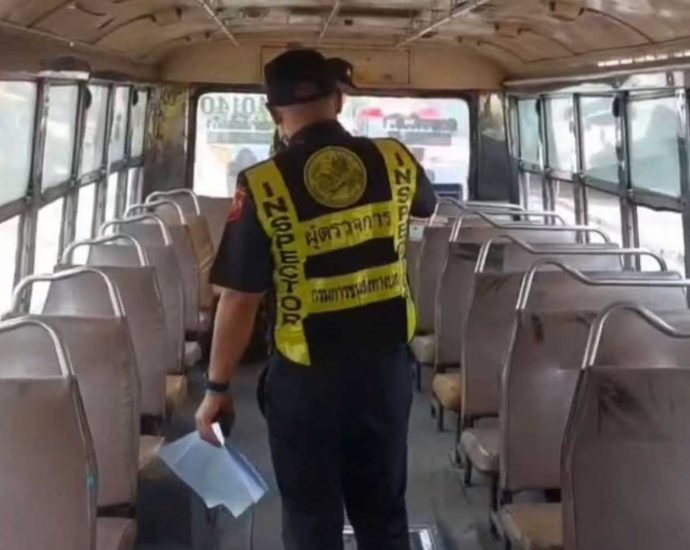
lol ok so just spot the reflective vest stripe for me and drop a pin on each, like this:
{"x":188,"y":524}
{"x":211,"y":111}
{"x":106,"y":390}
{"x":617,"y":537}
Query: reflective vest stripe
{"x":356,"y":289}
{"x":402,"y":175}
{"x":348,"y":228}
{"x":278,"y":216}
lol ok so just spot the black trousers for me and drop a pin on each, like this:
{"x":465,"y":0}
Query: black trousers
{"x":338,"y":437}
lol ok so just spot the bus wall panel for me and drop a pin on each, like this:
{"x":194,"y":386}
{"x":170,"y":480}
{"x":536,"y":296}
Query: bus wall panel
{"x":418,"y":69}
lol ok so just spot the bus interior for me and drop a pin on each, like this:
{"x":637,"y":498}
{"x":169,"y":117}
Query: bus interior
{"x":553,"y":347}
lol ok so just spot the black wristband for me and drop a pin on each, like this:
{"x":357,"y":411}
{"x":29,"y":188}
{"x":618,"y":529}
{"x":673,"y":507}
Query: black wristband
{"x":217,"y":387}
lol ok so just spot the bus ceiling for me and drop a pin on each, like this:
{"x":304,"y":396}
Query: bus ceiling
{"x":400,"y":44}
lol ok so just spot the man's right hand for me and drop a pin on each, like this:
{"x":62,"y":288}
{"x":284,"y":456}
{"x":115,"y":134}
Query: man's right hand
{"x":212,"y":409}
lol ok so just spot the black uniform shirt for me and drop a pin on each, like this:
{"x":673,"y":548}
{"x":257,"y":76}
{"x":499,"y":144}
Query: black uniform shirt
{"x":244,"y":261}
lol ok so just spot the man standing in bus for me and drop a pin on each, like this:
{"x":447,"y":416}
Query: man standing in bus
{"x":323,"y":226}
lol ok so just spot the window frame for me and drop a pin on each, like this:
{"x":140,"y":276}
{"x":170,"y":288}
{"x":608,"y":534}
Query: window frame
{"x":36,"y":198}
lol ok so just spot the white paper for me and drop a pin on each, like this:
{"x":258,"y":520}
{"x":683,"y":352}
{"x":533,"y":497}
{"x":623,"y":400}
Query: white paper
{"x":221,"y":476}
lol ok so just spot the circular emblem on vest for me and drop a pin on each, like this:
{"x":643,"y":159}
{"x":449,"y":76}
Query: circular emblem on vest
{"x":335,"y":177}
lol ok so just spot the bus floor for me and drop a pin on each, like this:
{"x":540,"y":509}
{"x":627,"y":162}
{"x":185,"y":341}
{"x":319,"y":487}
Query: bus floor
{"x":172,"y":518}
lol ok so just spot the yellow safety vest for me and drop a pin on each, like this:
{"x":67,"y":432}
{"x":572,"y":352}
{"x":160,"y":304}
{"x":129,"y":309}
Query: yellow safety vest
{"x":293,"y":241}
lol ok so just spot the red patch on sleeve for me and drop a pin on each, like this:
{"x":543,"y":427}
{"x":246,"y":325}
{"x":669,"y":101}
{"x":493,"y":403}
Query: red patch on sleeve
{"x":238,"y":204}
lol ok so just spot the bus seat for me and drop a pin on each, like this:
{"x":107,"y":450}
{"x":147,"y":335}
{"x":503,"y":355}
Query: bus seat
{"x":48,"y":470}
{"x":424,"y":348}
{"x":481,"y":446}
{"x":115,"y":534}
{"x":102,"y":359}
{"x":149,"y":233}
{"x":447,"y":391}
{"x":168,"y":281}
{"x":634,"y":425}
{"x":170,"y":209}
{"x":148,"y":450}
{"x":175,"y":392}
{"x":533,"y":526}
{"x":215,"y":210}
{"x":144,"y":312}
{"x":541,"y":376}
{"x":456,"y":288}
{"x":493,"y":316}
{"x":412,"y":258}
{"x":432,"y":257}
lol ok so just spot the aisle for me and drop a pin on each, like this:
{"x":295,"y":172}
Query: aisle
{"x":173,"y":519}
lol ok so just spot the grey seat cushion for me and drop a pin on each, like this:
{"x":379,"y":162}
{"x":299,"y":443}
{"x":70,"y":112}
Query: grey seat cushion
{"x":424,"y":348}
{"x":481,"y":446}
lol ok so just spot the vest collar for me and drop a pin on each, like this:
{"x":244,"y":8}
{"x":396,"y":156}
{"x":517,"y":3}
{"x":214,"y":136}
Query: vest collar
{"x":317,"y":131}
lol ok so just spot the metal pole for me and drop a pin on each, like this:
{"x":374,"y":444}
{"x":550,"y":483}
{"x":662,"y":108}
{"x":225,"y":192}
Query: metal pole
{"x":102,"y":184}
{"x":579,"y":176}
{"x":26,"y":247}
{"x":628,"y":210}
{"x":69,"y":212}
{"x":684,"y":145}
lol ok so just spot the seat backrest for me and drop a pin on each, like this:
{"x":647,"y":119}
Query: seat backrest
{"x":48,"y":473}
{"x":105,"y":367}
{"x":540,"y":377}
{"x":168,"y":279}
{"x":432,"y":257}
{"x":515,"y":258}
{"x":215,"y":210}
{"x":170,"y":208}
{"x":492,"y":318}
{"x":144,"y":311}
{"x":626,"y":460}
{"x":412,"y":257}
{"x":454,"y":293}
{"x":149,"y":234}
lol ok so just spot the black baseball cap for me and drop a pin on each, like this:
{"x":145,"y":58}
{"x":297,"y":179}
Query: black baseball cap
{"x":298,"y":76}
{"x":343,"y":71}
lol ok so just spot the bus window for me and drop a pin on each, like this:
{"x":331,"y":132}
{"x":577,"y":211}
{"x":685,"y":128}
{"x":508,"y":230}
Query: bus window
{"x":111,"y":198}
{"x":233,"y":131}
{"x":47,"y":247}
{"x":528,"y":123}
{"x":599,"y":138}
{"x":62,"y":120}
{"x":533,"y":191}
{"x":603,"y":210}
{"x":118,"y":134}
{"x":437,"y":131}
{"x":133,"y":185}
{"x":662,"y":232}
{"x":85,"y":212}
{"x":560,"y":134}
{"x":654,"y":151}
{"x":9,"y":237}
{"x":565,"y":200}
{"x":138,"y":121}
{"x":17,"y":105}
{"x":94,"y":130}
